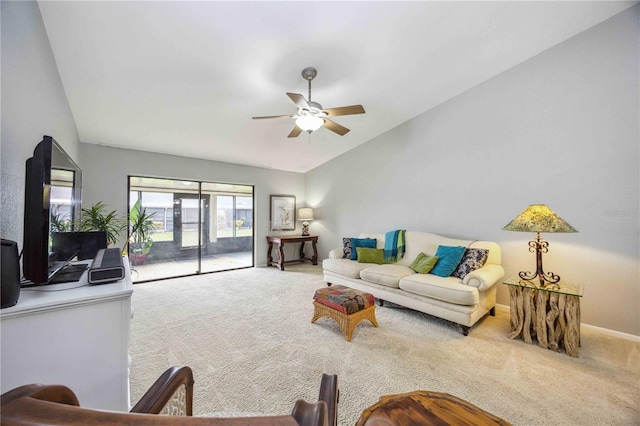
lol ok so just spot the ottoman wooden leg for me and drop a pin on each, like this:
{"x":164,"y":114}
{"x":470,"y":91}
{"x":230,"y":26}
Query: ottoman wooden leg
{"x":354,"y":319}
{"x":346,"y":322}
{"x":316,"y":313}
{"x":372,"y":317}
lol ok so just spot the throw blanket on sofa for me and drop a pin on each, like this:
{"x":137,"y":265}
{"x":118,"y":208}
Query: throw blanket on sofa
{"x":394,"y":245}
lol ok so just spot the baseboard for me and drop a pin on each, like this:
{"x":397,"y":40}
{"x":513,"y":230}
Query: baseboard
{"x":503,"y":308}
{"x":608,"y":332}
{"x":613,"y":333}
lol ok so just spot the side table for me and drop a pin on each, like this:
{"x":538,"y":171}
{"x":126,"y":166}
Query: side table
{"x":281,"y":240}
{"x":551,"y":313}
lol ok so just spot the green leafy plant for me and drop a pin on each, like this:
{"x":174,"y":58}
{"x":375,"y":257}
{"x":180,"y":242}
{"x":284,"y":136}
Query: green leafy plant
{"x":96,"y":218}
{"x":141,"y":227}
{"x":60,"y":221}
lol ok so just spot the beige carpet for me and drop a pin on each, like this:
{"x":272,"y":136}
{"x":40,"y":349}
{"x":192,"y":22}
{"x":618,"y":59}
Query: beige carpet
{"x":248,"y":337}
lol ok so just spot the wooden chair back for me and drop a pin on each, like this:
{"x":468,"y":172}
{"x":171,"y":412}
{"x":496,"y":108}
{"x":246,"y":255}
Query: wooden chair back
{"x":53,"y":405}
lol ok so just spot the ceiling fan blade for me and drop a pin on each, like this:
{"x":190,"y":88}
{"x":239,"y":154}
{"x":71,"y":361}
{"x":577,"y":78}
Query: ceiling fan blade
{"x":335,"y":127}
{"x":273,"y":116}
{"x":299,"y":100}
{"x":295,"y":132}
{"x":345,"y":110}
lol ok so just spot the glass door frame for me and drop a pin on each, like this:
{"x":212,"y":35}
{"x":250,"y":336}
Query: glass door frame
{"x":204,"y":216}
{"x":203,"y":221}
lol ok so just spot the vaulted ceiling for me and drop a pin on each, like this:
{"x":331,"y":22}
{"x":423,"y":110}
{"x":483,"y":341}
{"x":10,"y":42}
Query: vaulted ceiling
{"x":185,"y":78}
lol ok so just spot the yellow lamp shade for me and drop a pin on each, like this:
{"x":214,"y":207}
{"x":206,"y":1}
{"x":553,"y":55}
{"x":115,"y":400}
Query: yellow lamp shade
{"x":539,"y":218}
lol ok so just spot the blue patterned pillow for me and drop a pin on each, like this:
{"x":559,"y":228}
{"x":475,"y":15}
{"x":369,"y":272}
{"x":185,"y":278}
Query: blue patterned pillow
{"x":361,"y":242}
{"x":472,"y":259}
{"x":448,"y":259}
{"x":346,"y":248}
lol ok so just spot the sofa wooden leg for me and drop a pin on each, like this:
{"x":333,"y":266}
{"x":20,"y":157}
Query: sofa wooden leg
{"x":492,"y":312}
{"x":465,"y":330}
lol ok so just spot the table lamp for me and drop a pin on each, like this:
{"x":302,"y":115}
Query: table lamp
{"x":305,"y":214}
{"x":539,"y":218}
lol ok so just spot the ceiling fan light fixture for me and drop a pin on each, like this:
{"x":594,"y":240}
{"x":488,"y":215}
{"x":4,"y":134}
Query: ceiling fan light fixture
{"x":309,"y":123}
{"x":311,"y":116}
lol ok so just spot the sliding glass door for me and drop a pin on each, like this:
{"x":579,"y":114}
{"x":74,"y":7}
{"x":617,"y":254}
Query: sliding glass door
{"x":190,"y":227}
{"x":199,"y":227}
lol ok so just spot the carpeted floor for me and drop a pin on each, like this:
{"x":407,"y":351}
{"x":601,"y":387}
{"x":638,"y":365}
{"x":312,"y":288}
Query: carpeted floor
{"x":248,"y":337}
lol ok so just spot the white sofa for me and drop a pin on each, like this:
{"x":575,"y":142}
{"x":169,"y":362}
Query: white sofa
{"x":462,"y":301}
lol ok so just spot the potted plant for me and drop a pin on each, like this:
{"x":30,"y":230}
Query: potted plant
{"x":141,"y":227}
{"x":60,"y":222}
{"x":96,"y":218}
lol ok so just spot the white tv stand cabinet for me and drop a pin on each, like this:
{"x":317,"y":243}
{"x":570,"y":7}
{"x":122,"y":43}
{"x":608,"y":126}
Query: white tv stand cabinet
{"x":73,"y":335}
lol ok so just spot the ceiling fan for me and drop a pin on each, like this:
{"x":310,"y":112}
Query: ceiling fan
{"x":311,"y":116}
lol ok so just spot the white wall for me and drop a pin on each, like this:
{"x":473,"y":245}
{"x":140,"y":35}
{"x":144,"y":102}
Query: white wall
{"x":561,"y":128}
{"x":33,"y":104}
{"x":105,"y":171}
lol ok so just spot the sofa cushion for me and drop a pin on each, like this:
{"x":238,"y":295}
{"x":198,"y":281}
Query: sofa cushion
{"x":423,"y":263}
{"x":472,"y":259}
{"x":387,"y":275}
{"x":344,"y":267}
{"x":447,"y":289}
{"x":370,"y":255}
{"x":448,"y":259}
{"x":361,"y":242}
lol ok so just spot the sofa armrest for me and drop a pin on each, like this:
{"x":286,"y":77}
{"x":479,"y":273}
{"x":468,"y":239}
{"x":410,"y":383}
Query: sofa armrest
{"x":485,"y":277}
{"x":336,"y":253}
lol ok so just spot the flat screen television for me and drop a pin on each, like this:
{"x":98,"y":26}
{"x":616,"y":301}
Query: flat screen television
{"x":52,"y":203}
{"x":84,"y":245}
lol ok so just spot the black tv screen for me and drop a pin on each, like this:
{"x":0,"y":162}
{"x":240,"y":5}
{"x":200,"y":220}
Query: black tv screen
{"x":66,"y":245}
{"x":52,"y":202}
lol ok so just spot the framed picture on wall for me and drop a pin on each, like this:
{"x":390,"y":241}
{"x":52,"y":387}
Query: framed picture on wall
{"x":283,"y":212}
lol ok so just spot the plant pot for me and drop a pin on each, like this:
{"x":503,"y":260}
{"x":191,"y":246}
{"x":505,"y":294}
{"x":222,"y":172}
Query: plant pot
{"x":137,"y":259}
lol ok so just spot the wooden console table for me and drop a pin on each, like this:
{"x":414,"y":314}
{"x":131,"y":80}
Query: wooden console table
{"x":551,"y":313}
{"x":425,"y":408}
{"x":281,"y":240}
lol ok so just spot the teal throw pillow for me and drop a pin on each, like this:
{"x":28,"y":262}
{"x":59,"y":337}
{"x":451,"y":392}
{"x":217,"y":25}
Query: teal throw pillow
{"x":370,"y":255}
{"x":361,"y":242}
{"x":423,"y":263}
{"x":448,"y":259}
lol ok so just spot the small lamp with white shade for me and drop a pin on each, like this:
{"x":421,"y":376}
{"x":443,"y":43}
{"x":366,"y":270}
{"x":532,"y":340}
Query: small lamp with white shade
{"x":305,"y":214}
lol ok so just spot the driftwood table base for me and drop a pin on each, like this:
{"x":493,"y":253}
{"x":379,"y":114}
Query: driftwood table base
{"x":548,"y":314}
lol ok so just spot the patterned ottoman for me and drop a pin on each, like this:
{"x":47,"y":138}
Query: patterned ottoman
{"x":346,"y":306}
